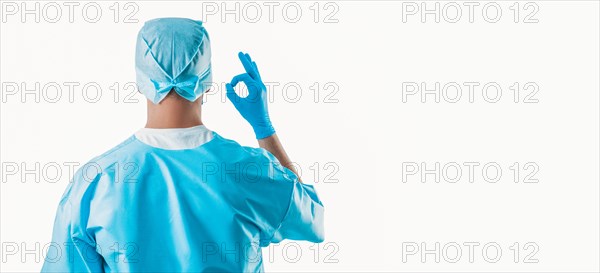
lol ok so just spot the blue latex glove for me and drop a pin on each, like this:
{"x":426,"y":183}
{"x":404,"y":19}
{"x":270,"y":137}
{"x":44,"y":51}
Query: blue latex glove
{"x":253,"y":107}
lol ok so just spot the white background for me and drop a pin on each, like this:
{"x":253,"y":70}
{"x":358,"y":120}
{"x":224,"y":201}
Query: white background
{"x":365,"y":131}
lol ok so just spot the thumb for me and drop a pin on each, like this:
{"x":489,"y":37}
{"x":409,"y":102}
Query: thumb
{"x":231,"y":95}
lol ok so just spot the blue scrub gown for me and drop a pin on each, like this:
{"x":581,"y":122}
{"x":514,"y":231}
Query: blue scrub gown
{"x":138,"y":208}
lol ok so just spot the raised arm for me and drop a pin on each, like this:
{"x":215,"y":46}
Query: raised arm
{"x":273,"y":145}
{"x":254,"y":109}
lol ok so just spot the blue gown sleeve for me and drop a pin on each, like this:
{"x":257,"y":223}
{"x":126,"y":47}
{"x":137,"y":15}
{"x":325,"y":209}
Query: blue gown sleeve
{"x":303,"y":218}
{"x":71,"y":250}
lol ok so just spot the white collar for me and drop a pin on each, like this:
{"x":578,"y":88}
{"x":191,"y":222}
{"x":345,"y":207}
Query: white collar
{"x":175,"y":138}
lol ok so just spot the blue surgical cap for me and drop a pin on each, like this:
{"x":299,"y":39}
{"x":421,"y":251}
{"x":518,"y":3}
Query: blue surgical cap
{"x":173,"y":53}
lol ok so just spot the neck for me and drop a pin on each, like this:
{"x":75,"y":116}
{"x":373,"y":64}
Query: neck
{"x":174,"y":112}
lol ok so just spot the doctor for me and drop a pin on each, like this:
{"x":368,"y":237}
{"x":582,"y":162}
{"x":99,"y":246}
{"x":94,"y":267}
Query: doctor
{"x":176,"y":196}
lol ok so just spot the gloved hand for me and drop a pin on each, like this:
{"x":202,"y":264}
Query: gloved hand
{"x":253,"y":107}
